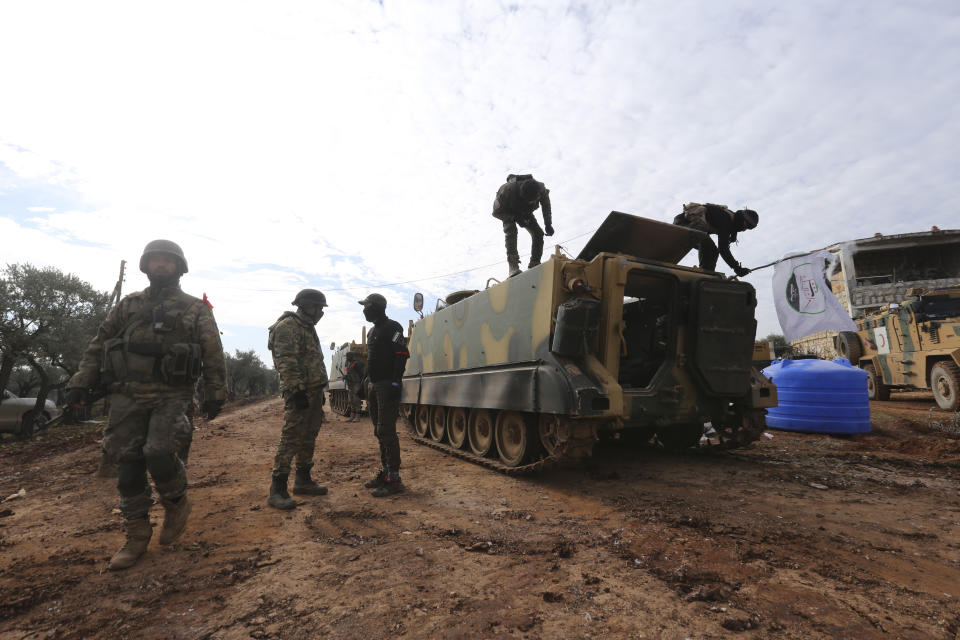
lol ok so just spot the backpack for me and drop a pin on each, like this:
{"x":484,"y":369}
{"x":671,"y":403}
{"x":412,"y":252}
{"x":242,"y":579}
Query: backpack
{"x":519,"y":177}
{"x":694,"y":216}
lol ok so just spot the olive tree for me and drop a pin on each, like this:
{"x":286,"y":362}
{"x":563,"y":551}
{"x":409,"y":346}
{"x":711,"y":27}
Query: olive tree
{"x":47,"y":317}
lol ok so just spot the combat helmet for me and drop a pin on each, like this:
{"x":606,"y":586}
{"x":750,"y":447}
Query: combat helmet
{"x":167,"y":247}
{"x":749,"y":218}
{"x":530,"y":190}
{"x":309,"y":296}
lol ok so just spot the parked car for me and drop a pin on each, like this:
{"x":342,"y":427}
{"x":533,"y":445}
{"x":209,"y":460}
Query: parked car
{"x":17,"y":414}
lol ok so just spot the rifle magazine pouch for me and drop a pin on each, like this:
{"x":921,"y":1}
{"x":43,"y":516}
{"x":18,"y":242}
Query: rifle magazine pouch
{"x":182,"y":364}
{"x":113,"y":367}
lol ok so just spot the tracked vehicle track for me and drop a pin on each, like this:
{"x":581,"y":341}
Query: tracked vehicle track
{"x":566,"y":452}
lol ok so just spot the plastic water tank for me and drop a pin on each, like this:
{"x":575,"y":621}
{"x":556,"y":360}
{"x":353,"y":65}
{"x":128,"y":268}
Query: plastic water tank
{"x":820,"y":396}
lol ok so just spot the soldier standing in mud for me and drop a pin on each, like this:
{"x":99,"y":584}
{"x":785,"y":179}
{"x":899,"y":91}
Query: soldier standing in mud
{"x":725,"y":224}
{"x":149,"y":354}
{"x":514,"y":205}
{"x":298,"y":359}
{"x":386,"y":358}
{"x":354,"y":378}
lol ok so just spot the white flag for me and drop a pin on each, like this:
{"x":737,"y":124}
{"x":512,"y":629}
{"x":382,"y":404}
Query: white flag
{"x":804,"y":303}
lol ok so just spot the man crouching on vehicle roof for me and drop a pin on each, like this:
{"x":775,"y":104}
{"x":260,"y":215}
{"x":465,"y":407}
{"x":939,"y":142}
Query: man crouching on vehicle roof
{"x":298,"y":359}
{"x":149,"y":354}
{"x":386,"y":358}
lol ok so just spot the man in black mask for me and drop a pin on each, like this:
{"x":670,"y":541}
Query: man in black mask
{"x":149,"y":354}
{"x":386,"y":358}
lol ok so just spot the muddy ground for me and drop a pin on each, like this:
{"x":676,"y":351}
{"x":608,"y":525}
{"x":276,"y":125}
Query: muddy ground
{"x":802,"y":536}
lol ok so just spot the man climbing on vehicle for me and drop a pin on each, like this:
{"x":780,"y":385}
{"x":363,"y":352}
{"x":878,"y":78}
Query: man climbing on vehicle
{"x":514,"y":205}
{"x":722,"y":222}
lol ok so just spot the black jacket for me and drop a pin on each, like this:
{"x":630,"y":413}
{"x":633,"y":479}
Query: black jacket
{"x":726,"y":231}
{"x":386,"y":351}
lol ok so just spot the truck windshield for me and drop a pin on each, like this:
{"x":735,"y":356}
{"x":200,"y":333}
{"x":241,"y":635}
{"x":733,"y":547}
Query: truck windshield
{"x":938,"y":308}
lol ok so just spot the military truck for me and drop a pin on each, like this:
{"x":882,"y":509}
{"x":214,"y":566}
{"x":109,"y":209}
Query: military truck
{"x":912,"y":345}
{"x":619,"y":341}
{"x":337,"y":387}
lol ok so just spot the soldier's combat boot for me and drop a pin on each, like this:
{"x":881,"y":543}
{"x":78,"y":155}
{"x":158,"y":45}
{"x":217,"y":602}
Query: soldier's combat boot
{"x":279,"y":498}
{"x":391,"y":485}
{"x":303,"y":485}
{"x":174,"y":519}
{"x":514,"y":270}
{"x":138,"y":532}
{"x":376,"y":481}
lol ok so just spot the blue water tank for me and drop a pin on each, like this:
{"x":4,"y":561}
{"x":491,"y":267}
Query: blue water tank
{"x":818,"y":395}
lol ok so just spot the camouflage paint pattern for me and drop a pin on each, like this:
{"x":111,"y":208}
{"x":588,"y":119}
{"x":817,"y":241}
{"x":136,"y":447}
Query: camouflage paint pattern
{"x":492,"y":349}
{"x":916,"y":342}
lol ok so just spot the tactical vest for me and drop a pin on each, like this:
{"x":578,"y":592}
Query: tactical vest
{"x":154,"y":346}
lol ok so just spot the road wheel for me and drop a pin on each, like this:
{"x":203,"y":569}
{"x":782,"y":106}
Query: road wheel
{"x":549,"y":428}
{"x":945,"y":382}
{"x":480,"y":431}
{"x":515,"y":438}
{"x":438,"y":423}
{"x":421,"y":422}
{"x":677,"y":437}
{"x":848,"y":346}
{"x":457,"y":427}
{"x":876,"y":390}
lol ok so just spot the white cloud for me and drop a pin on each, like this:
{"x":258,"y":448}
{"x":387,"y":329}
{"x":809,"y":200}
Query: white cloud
{"x":344,"y":144}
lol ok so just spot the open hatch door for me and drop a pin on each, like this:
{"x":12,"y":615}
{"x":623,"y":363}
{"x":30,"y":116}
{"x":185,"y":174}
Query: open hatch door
{"x":641,"y":238}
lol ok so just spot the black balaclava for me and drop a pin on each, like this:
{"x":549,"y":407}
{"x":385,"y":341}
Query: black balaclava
{"x":162,"y":282}
{"x":373,"y":312}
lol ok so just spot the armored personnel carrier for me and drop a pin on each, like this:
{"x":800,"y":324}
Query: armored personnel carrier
{"x":911,"y":345}
{"x":619,"y":340}
{"x":341,"y":358}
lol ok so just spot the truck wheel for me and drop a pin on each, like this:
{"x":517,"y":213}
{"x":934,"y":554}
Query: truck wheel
{"x":945,"y":382}
{"x":848,"y":346}
{"x":876,"y":390}
{"x":28,"y":425}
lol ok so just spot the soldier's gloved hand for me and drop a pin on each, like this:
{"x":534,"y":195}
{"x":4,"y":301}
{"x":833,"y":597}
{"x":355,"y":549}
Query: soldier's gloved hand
{"x":300,"y":400}
{"x":548,"y":231}
{"x":77,"y":397}
{"x":212,"y":408}
{"x":741,"y":271}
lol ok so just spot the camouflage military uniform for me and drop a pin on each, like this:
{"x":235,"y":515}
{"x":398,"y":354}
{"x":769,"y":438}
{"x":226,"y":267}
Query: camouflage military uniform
{"x":511,"y":208}
{"x":298,"y":359}
{"x":149,"y":353}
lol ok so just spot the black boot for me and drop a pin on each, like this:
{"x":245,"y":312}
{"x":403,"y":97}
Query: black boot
{"x":391,"y":485}
{"x":279,"y":498}
{"x":377,"y":480}
{"x":303,"y":485}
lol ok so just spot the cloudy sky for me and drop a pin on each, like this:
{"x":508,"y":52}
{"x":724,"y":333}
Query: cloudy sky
{"x":351,"y":146}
